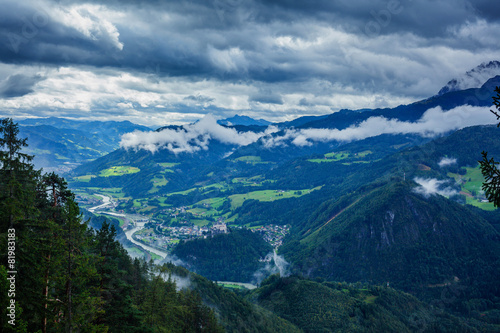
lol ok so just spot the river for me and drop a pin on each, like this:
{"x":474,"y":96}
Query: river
{"x":138,"y":225}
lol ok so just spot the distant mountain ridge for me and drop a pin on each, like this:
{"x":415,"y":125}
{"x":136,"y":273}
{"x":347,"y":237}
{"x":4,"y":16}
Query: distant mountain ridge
{"x":119,"y":126}
{"x":243,"y":120}
{"x":59,"y":143}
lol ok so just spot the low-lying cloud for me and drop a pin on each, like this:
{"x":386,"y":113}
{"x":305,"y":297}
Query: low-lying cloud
{"x":445,"y":161}
{"x":434,"y":122}
{"x":190,"y":138}
{"x":274,"y":264}
{"x":432,"y":186}
{"x":195,"y":137}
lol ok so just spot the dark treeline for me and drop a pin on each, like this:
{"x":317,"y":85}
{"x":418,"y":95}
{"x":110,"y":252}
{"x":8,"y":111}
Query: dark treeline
{"x":225,"y":257}
{"x":69,"y":277}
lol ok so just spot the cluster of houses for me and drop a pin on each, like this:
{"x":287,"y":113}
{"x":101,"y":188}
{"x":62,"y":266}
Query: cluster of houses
{"x":273,"y":234}
{"x":168,"y":236}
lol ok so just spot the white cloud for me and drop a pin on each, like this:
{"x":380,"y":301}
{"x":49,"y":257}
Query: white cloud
{"x":230,"y":60}
{"x":434,"y":121}
{"x":196,"y":137}
{"x":191,"y":138}
{"x":432,"y":186}
{"x":90,"y":21}
{"x":280,"y":266}
{"x":445,"y":161}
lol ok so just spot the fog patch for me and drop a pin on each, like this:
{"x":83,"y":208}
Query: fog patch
{"x":274,"y":264}
{"x":180,"y":282}
{"x":190,"y":138}
{"x":445,"y":161}
{"x":196,"y":137}
{"x":433,"y":122}
{"x":174,"y":260}
{"x":432,"y":186}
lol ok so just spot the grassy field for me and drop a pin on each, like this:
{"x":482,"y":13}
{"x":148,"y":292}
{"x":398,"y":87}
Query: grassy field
{"x":118,"y":171}
{"x":334,"y":157}
{"x":167,"y":165}
{"x":337,"y":156}
{"x":212,"y":202}
{"x":320,"y":160}
{"x":471,"y":184}
{"x":85,"y":178}
{"x":253,"y":181}
{"x":267,"y":195}
{"x":248,"y":159}
{"x":157,"y":182}
{"x":479,"y":204}
{"x":231,"y":286}
{"x":135,"y":251}
{"x":200,"y":223}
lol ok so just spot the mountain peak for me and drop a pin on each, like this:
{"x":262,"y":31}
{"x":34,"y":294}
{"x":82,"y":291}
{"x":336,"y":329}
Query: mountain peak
{"x":243,"y":120}
{"x":474,"y":78}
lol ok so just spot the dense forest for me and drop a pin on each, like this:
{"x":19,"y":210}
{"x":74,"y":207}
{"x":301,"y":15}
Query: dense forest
{"x":321,"y":306}
{"x":225,"y":257}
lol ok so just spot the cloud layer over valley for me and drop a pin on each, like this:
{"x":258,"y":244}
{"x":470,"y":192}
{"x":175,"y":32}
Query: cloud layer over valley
{"x":190,"y":138}
{"x":197,"y":136}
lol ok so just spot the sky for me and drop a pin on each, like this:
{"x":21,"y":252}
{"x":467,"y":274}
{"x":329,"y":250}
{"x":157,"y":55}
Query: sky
{"x":173,"y":62}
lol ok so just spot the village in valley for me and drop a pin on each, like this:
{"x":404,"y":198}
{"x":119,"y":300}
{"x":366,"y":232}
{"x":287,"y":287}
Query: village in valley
{"x":165,"y":237}
{"x":164,"y":233}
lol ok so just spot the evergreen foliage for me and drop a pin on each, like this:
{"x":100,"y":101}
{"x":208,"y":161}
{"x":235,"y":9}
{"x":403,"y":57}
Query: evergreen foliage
{"x":489,"y":167}
{"x":341,"y":307}
{"x":225,"y":257}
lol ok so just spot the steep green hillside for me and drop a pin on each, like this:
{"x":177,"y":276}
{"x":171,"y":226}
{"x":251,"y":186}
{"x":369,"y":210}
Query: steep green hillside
{"x":393,"y":235}
{"x":342,"y":307}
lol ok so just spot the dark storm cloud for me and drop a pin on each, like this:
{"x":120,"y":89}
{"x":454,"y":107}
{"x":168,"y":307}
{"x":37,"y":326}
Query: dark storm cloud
{"x":18,"y":85}
{"x":277,"y":58}
{"x":266,"y":97}
{"x":199,"y":99}
{"x":180,"y":36}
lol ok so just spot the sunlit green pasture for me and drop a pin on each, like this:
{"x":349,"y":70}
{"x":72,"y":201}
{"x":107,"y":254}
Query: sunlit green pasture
{"x":118,"y":171}
{"x":84,"y":179}
{"x":267,"y":195}
{"x":334,"y":157}
{"x":471,"y":184}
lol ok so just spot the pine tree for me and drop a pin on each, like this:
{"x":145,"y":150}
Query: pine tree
{"x":17,"y":176}
{"x":488,"y":166}
{"x":115,"y":285}
{"x":17,"y":187}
